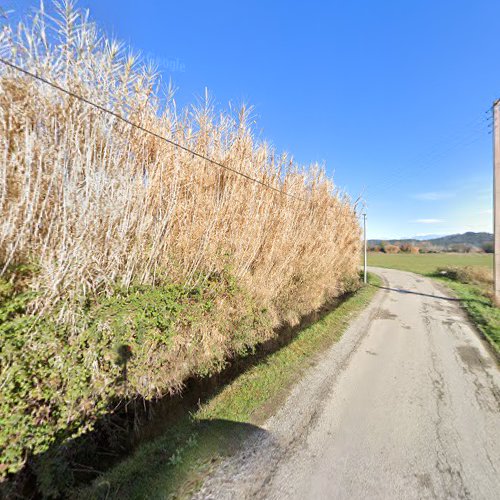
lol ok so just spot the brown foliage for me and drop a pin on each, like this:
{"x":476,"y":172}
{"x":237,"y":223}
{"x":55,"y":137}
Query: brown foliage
{"x":391,"y":248}
{"x":96,"y":203}
{"x":409,"y":248}
{"x":468,"y":274}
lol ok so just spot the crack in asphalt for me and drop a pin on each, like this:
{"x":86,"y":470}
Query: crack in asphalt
{"x":452,"y":482}
{"x":405,"y":405}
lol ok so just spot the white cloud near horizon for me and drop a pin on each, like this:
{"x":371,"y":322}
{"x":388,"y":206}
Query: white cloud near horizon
{"x":434,"y":195}
{"x":428,"y":221}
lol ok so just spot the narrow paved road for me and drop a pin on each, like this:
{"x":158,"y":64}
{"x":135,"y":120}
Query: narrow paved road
{"x":406,"y":405}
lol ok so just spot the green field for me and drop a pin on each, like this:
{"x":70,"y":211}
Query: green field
{"x":475,"y":294}
{"x":428,"y":263}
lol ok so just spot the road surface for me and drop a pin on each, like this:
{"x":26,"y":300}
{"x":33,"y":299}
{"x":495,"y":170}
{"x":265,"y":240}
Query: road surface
{"x":406,"y":405}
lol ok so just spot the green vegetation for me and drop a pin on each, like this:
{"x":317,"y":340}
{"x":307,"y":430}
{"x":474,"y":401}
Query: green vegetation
{"x":428,"y":263}
{"x":468,"y":238}
{"x":469,"y":276}
{"x":152,"y":265}
{"x":58,"y":379}
{"x":176,"y":463}
{"x":480,"y":309}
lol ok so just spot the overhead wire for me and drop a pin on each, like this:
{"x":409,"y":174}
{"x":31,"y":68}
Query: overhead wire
{"x":429,"y":160}
{"x":143,"y":129}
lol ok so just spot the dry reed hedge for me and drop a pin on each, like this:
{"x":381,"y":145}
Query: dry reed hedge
{"x":94,"y":201}
{"x":95,"y":204}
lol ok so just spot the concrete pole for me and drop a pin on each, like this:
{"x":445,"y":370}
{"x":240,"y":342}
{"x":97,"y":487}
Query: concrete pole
{"x":364,"y":237}
{"x":496,"y":195}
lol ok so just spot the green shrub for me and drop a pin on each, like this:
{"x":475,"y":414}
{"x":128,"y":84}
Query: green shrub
{"x":488,"y":247}
{"x":152,"y":265}
{"x":55,"y":383}
{"x":59,"y":378}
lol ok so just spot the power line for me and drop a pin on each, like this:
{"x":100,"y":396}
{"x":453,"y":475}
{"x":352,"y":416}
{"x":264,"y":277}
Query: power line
{"x":143,"y":129}
{"x":435,"y":156}
{"x":455,"y":139}
{"x":423,"y":162}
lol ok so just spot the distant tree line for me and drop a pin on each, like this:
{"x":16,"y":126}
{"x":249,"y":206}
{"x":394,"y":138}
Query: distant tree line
{"x":425,"y":247}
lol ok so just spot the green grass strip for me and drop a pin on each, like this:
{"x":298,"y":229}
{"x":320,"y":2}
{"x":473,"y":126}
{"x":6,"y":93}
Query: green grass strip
{"x":480,"y":309}
{"x":174,"y":465}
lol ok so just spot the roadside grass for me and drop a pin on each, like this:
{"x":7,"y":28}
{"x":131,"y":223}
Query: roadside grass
{"x":480,"y":308}
{"x":150,"y":266}
{"x":174,"y":465}
{"x":472,"y":285}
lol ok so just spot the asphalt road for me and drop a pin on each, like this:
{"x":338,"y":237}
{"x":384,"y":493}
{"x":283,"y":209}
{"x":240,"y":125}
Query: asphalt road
{"x":406,"y":405}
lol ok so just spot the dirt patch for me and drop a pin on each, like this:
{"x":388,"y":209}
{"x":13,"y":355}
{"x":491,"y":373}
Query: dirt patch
{"x":471,"y":356}
{"x":385,"y":314}
{"x":424,"y":481}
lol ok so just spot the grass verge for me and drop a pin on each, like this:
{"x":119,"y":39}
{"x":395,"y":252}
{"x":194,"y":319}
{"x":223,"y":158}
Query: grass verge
{"x":175,"y":464}
{"x":480,"y":308}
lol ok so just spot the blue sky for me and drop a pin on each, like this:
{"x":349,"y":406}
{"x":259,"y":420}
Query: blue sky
{"x":390,"y":95}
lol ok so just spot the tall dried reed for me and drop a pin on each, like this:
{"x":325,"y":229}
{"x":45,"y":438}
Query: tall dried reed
{"x":95,"y":205}
{"x":95,"y":202}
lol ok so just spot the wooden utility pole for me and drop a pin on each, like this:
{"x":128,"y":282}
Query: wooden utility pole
{"x":364,"y":238}
{"x":496,"y":195}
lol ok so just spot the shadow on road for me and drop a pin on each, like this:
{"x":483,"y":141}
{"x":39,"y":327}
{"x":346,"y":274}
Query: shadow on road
{"x":132,"y":422}
{"x":401,"y":290}
{"x":152,"y":471}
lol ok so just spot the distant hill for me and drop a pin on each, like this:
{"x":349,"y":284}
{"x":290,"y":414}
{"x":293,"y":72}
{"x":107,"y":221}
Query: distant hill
{"x":425,"y":237}
{"x":469,"y":238}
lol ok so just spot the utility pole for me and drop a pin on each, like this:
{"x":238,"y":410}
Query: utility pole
{"x":364,"y":237}
{"x":496,"y":195}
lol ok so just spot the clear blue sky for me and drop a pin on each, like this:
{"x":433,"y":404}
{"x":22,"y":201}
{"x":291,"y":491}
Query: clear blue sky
{"x":387,"y":93}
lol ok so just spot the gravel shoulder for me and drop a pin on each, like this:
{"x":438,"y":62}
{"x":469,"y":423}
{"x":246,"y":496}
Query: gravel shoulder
{"x":405,"y":405}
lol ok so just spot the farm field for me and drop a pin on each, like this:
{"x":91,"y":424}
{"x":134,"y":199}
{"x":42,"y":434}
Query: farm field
{"x":428,"y":263}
